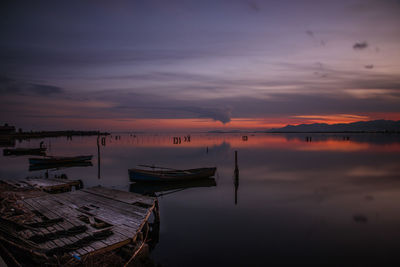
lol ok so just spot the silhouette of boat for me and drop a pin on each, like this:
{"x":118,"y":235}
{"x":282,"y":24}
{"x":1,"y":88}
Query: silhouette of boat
{"x":169,"y":175}
{"x":146,"y":188}
{"x":59,"y":160}
{"x":38,"y":167}
{"x":24,"y":151}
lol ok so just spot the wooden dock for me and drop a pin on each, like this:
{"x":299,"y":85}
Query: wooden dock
{"x":72,"y":226}
{"x":49,"y":185}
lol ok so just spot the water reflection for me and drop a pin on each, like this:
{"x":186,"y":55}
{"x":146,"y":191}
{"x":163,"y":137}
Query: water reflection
{"x":7,"y":142}
{"x":285,"y":141}
{"x":332,"y":199}
{"x":146,"y":188}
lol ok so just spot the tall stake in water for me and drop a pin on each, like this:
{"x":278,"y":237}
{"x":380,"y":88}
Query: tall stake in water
{"x":98,"y":157}
{"x":236,"y":180}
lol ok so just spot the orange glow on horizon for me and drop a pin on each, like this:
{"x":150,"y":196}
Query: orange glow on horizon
{"x":202,"y":125}
{"x":332,"y":119}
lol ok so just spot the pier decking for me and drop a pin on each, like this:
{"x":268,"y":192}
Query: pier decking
{"x":48,"y":185}
{"x":71,"y":226}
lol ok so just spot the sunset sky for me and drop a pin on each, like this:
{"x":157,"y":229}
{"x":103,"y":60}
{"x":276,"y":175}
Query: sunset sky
{"x":197,"y":65}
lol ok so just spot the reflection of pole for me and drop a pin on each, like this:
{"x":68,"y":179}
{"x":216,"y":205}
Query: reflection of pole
{"x":98,"y":157}
{"x":154,"y":234}
{"x":236,"y":180}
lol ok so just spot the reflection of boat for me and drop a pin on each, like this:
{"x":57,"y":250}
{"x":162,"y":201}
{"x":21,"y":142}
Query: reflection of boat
{"x":37,"y":167}
{"x":24,"y":151}
{"x":139,"y":175}
{"x":145,"y":188}
{"x":6,"y":141}
{"x":59,"y":160}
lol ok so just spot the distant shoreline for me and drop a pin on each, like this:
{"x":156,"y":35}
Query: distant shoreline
{"x":344,"y":132}
{"x":310,"y":132}
{"x":44,"y":134}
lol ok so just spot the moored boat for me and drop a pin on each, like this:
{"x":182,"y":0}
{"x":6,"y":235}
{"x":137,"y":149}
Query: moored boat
{"x":24,"y":151}
{"x":58,"y":166}
{"x":140,"y":175}
{"x":59,"y":160}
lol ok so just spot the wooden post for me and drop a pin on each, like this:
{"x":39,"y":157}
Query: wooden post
{"x":236,"y":163}
{"x":236,"y":180}
{"x":98,"y":156}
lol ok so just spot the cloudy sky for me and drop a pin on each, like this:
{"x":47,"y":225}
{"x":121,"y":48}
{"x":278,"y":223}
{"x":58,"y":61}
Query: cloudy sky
{"x":199,"y":65}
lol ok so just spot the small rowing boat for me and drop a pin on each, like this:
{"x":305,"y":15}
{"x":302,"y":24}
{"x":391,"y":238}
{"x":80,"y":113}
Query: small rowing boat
{"x":24,"y":151}
{"x":59,"y":160}
{"x":170,"y":175}
{"x":59,"y":166}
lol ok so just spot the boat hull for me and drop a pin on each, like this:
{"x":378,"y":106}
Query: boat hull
{"x":58,"y":166}
{"x":138,"y":175}
{"x":24,"y":151}
{"x":59,"y":160}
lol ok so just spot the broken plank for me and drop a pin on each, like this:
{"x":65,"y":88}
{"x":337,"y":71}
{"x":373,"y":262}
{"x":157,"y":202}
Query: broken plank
{"x":127,"y":197}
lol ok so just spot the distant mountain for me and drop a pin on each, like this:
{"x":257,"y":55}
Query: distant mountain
{"x":229,"y":131}
{"x":360,"y":126}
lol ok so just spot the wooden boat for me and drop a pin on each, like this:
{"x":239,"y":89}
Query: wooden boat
{"x":24,"y":151}
{"x":59,"y":166}
{"x":139,"y":175}
{"x":59,"y":160}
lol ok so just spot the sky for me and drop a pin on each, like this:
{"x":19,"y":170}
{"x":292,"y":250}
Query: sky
{"x":158,"y":65}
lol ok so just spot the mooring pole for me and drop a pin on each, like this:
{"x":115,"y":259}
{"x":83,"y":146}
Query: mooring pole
{"x":236,"y":162}
{"x":98,"y":157}
{"x":236,"y":180}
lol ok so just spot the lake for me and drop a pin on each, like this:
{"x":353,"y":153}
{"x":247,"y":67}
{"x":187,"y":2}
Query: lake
{"x":297,"y":198}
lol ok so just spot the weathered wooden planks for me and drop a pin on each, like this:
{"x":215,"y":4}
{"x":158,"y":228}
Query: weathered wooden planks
{"x":110,"y":219}
{"x":53,"y":184}
{"x":48,"y":185}
{"x":127,"y":197}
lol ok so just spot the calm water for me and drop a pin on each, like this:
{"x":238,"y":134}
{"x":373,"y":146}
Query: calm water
{"x":334,"y":200}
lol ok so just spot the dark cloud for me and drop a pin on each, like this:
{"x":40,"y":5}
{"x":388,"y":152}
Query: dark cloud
{"x":174,"y":109}
{"x":52,"y":58}
{"x":5,"y":80}
{"x":13,"y":86}
{"x":338,"y":92}
{"x":317,"y":41}
{"x":371,"y":66}
{"x":360,"y":45}
{"x":253,"y":5}
{"x":160,"y":76}
{"x":218,"y":114}
{"x":343,"y":79}
{"x":127,"y":104}
{"x":42,"y":89}
{"x":272,"y":104}
{"x":7,"y":85}
{"x":310,"y":33}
